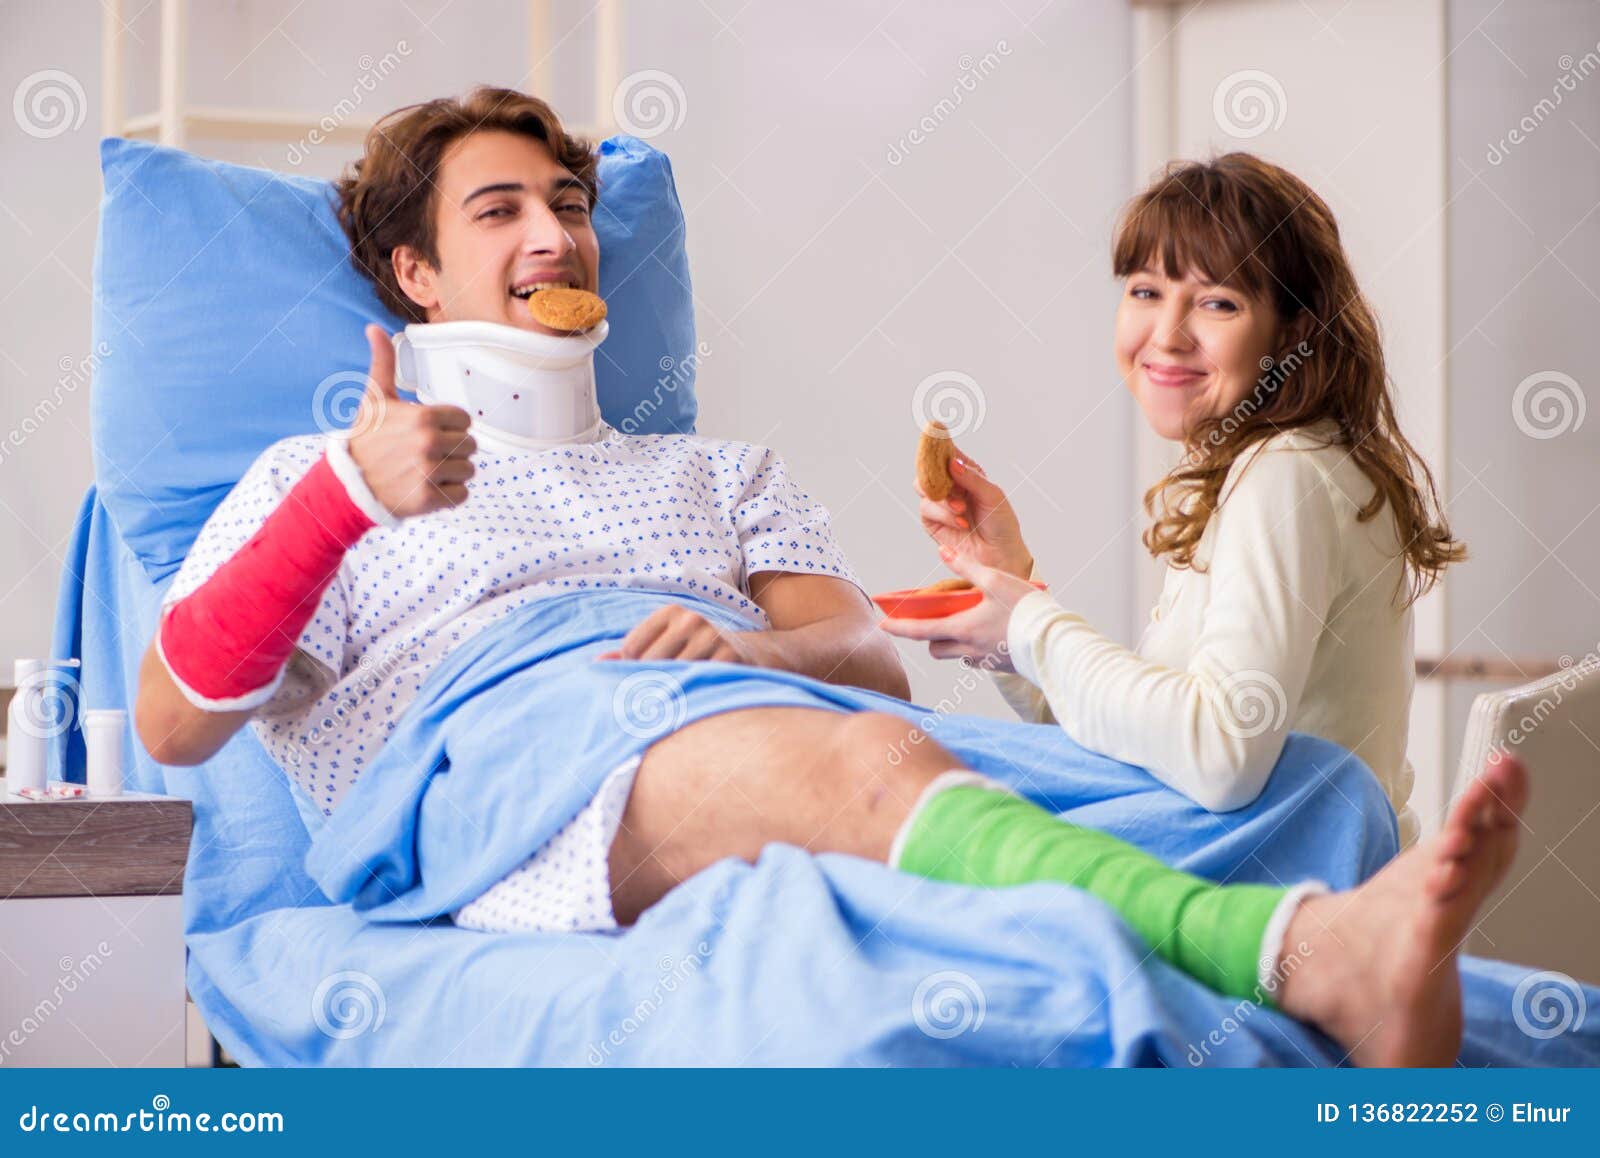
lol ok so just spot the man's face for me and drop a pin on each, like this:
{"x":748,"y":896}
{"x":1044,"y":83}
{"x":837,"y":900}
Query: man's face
{"x":507,"y":217}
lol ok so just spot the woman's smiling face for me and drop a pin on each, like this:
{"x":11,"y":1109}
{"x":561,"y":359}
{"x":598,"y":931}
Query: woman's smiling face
{"x":1189,"y":349}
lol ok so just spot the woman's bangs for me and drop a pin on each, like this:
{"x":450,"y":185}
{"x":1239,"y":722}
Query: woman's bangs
{"x":1172,"y":230}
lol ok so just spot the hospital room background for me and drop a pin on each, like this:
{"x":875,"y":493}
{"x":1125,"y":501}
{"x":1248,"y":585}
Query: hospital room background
{"x":898,"y":206}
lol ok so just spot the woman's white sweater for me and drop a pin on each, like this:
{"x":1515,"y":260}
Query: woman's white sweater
{"x":1294,"y":620}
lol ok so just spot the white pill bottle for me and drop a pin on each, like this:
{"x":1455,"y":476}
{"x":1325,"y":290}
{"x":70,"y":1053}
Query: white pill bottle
{"x":42,"y":708}
{"x":103,"y":730}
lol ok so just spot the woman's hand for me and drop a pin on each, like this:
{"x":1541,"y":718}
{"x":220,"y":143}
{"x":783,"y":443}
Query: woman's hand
{"x":678,"y":633}
{"x":979,"y":633}
{"x":977,"y":520}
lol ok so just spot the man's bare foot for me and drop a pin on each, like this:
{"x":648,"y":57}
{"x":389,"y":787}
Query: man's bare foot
{"x":1378,"y":972}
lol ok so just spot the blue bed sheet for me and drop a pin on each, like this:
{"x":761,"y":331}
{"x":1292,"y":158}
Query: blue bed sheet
{"x":796,"y":959}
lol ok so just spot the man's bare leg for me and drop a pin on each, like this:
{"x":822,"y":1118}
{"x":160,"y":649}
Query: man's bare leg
{"x":730,"y":784}
{"x":1379,"y":972}
{"x":1380,"y":975}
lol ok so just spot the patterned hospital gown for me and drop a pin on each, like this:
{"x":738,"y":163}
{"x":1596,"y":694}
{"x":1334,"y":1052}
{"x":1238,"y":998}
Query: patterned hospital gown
{"x":669,"y":513}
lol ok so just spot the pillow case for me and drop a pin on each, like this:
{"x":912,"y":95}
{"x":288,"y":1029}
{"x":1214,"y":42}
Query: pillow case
{"x":227,"y":315}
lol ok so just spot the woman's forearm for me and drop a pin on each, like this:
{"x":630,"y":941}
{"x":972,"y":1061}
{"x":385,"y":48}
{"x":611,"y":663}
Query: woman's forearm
{"x":1179,"y":725}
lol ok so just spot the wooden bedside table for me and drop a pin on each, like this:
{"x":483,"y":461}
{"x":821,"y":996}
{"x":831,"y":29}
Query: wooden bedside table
{"x":91,"y":930}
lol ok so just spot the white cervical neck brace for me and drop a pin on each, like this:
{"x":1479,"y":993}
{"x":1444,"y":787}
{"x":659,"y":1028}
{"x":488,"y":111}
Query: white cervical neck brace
{"x":524,"y":391}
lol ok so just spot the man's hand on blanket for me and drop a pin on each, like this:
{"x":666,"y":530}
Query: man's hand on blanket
{"x":414,"y":458}
{"x":678,"y":633}
{"x":978,"y":634}
{"x":820,"y":626}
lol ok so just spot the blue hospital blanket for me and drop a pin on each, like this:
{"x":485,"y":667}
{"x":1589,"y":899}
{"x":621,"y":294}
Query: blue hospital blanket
{"x":797,"y":959}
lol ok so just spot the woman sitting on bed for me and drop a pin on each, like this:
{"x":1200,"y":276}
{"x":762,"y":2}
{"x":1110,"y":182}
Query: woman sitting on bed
{"x":1299,"y":526}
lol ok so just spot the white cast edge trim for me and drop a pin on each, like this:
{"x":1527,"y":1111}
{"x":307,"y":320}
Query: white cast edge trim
{"x":338,"y":452}
{"x":1272,"y":937}
{"x":955,"y":778}
{"x":205,"y":703}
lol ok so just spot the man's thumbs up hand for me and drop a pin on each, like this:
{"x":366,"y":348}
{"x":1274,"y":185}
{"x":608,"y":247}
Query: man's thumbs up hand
{"x":380,"y":377}
{"x":414,"y":458}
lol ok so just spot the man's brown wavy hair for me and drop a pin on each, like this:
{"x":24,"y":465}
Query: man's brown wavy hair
{"x":1242,"y":222}
{"x":386,"y":198}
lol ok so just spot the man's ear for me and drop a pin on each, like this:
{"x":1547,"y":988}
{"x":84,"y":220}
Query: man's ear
{"x":416,"y":276}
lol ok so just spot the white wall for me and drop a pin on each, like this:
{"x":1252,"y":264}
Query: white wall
{"x":1524,"y":280}
{"x":49,"y":190}
{"x":829,"y":280}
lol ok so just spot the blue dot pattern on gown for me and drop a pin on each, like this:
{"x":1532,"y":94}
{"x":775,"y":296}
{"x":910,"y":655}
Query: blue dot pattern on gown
{"x":679,"y":513}
{"x":564,"y":887}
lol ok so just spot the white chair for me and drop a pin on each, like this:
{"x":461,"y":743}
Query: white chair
{"x":1547,"y":913}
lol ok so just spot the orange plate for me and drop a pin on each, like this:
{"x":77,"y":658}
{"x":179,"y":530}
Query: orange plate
{"x":914,"y":603}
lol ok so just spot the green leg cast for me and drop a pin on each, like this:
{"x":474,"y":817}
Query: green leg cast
{"x":979,"y":836}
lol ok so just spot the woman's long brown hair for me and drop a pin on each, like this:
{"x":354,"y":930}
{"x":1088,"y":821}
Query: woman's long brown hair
{"x":1248,"y":224}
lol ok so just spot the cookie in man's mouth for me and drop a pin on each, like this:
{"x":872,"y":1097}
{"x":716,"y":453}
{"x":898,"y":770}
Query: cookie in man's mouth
{"x":563,"y":307}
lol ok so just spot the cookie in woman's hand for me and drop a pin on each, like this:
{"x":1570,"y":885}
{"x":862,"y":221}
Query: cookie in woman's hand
{"x":934,"y":450}
{"x":567,"y":309}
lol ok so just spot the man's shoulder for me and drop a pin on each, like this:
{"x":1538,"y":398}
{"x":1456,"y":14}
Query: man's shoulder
{"x":284,"y":462}
{"x":295,"y":450}
{"x":703,"y":445}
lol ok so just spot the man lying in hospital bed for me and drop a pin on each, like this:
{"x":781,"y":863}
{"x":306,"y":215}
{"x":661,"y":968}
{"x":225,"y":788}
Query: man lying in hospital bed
{"x":340,"y":572}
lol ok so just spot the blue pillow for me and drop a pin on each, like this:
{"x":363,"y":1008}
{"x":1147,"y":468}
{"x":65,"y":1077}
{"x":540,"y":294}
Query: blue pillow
{"x":227,"y":315}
